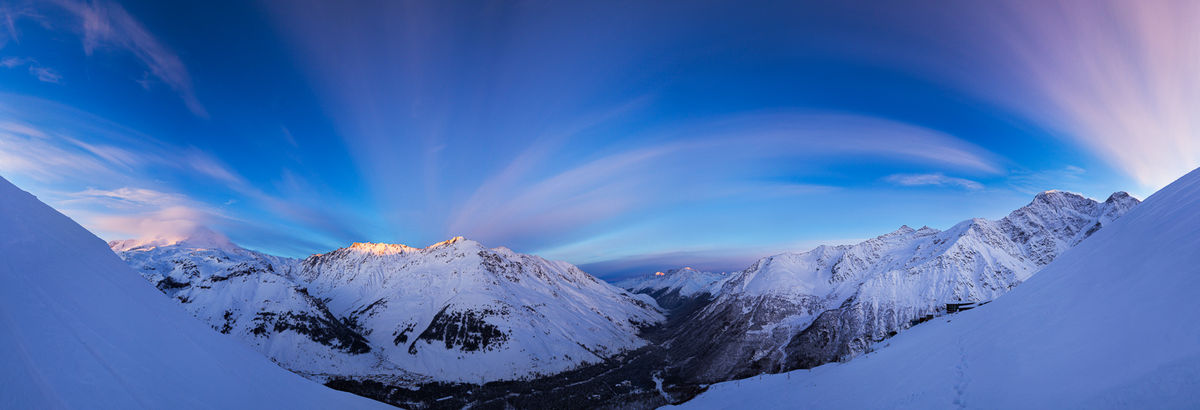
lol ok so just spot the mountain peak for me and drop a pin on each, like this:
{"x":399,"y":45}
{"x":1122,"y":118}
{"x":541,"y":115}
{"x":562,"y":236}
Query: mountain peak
{"x":200,"y":237}
{"x":394,"y":248}
{"x":381,"y":248}
{"x":902,"y":230}
{"x":203,"y":237}
{"x":1055,"y":193}
{"x":1120,"y":196}
{"x":452,"y":241}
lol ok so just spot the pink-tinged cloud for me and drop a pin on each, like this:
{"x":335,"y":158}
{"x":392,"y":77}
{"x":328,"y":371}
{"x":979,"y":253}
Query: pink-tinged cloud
{"x":723,"y":159}
{"x":1116,"y":77}
{"x":119,"y":176}
{"x":107,"y":26}
{"x":172,"y":223}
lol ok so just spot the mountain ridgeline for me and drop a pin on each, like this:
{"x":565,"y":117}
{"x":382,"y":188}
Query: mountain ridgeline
{"x":81,"y":330}
{"x":454,"y":312}
{"x":457,"y":324}
{"x":799,"y":310}
{"x":1109,"y":324}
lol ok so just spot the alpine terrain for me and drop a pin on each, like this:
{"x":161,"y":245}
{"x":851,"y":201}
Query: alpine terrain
{"x":457,"y":320}
{"x":1107,"y":324}
{"x":79,"y":329}
{"x":799,"y":310}
{"x":678,"y":287}
{"x":453,"y":312}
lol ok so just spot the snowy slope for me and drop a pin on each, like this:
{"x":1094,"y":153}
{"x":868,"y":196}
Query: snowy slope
{"x":454,"y":311}
{"x":79,"y":329}
{"x":457,"y":311}
{"x":251,"y":296}
{"x":1111,"y":323}
{"x":676,"y":287}
{"x":686,"y":281}
{"x":798,"y":310}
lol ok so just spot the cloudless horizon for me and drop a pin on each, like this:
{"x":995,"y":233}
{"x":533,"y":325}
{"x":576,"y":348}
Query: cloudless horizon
{"x":623,"y":137}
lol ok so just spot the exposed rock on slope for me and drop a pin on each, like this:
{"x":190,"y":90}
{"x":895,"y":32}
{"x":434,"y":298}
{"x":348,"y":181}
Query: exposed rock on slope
{"x":251,"y":296}
{"x":454,"y":311}
{"x":799,"y":310}
{"x":676,"y":288}
{"x":1111,"y":323}
{"x":79,"y":329}
{"x":461,"y":312}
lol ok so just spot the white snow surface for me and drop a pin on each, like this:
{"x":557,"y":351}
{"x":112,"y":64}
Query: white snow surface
{"x":454,"y":311}
{"x":80,"y":329}
{"x":252,"y":297}
{"x":1110,"y":323}
{"x":875,"y":288}
{"x":689,"y":282}
{"x":544,"y":316}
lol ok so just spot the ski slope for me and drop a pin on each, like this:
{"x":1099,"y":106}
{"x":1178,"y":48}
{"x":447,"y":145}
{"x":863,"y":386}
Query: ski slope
{"x":1111,"y":323}
{"x":80,"y":329}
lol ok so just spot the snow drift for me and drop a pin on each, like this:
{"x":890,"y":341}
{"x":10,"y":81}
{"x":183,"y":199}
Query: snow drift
{"x":1111,"y":323}
{"x":80,"y":329}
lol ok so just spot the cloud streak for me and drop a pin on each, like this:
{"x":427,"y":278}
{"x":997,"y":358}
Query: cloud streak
{"x":721,"y":159}
{"x":107,"y":26}
{"x":42,"y":73}
{"x":1115,"y":77}
{"x":122,"y":183}
{"x":936,"y":179}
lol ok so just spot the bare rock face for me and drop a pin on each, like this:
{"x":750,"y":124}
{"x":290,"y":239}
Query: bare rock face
{"x":800,"y":310}
{"x":251,"y":296}
{"x":452,"y":312}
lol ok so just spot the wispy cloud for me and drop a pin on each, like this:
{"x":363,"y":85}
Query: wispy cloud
{"x":172,"y":222}
{"x":42,"y":73}
{"x":121,"y":183}
{"x":130,"y":212}
{"x":936,"y":179}
{"x":29,"y":151}
{"x":12,"y":62}
{"x":722,"y":159}
{"x":133,"y":196}
{"x":9,"y":14}
{"x":1116,"y":77}
{"x":45,"y":74}
{"x":107,"y":26}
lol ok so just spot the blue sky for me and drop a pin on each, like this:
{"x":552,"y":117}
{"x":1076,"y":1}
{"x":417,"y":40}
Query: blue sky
{"x":620,"y":136}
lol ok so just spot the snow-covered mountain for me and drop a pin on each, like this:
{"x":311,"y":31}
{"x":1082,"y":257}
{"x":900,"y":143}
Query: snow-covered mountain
{"x":676,"y":287}
{"x":79,"y":329}
{"x":458,"y":311}
{"x":1111,"y":323}
{"x":253,"y":297}
{"x":798,"y":310}
{"x":454,"y":311}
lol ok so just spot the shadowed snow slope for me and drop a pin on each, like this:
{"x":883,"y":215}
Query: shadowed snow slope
{"x":455,"y":311}
{"x":1113,"y":322}
{"x":801,"y":310}
{"x":80,"y":329}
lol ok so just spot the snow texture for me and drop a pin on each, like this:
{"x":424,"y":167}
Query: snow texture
{"x":458,"y":311}
{"x":79,"y":329}
{"x":454,"y":311}
{"x":686,"y":281}
{"x":798,"y":310}
{"x":1110,"y":323}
